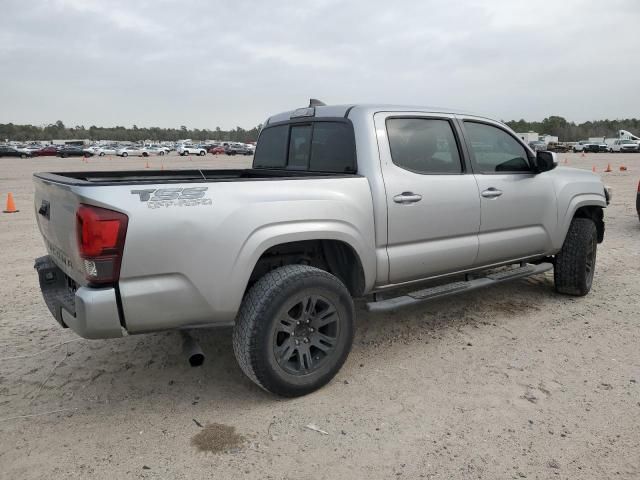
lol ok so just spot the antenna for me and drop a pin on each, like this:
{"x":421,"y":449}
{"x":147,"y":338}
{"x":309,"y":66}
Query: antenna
{"x":314,"y":102}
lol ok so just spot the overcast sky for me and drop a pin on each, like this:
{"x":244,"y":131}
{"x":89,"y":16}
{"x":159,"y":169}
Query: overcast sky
{"x":204,"y":63}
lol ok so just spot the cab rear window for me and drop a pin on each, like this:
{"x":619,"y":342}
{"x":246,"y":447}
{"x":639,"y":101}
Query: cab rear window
{"x":319,"y":146}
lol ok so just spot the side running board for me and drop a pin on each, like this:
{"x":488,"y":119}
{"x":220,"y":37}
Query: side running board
{"x":453,"y":288}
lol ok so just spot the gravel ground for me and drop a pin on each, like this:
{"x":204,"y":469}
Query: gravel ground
{"x":510,"y":382}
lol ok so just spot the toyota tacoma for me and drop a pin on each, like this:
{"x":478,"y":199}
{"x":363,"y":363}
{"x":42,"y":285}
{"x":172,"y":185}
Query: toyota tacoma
{"x":341,"y":202}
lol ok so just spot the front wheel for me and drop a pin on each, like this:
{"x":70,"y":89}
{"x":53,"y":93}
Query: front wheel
{"x":575,"y":263}
{"x":145,"y":154}
{"x":294,"y":330}
{"x":201,"y":153}
{"x":125,"y":154}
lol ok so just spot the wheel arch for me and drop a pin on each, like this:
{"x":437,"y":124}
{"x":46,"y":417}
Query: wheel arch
{"x":333,"y":256}
{"x":335,"y":247}
{"x":584,"y":206}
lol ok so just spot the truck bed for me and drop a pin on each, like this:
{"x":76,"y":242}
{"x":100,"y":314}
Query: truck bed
{"x":142,"y":177}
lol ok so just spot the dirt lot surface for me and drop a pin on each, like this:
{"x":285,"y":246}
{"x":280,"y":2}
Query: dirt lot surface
{"x":510,"y":382}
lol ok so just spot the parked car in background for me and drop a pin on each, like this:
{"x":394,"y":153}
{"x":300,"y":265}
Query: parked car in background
{"x":132,"y":151}
{"x":105,"y":150}
{"x":558,"y":147}
{"x":31,"y":148}
{"x":602,"y":146}
{"x":73,"y":151}
{"x":587,"y":146}
{"x":217,"y":150}
{"x":158,"y":149}
{"x":9,"y":151}
{"x":237,"y":150}
{"x":188,"y":149}
{"x":624,"y":146}
{"x":154,"y":151}
{"x":538,"y":146}
{"x":638,"y":201}
{"x":48,"y":151}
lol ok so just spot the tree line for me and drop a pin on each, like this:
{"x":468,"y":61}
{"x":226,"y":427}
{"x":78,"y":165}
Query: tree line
{"x":58,"y":131}
{"x":554,"y":125}
{"x":571,"y":132}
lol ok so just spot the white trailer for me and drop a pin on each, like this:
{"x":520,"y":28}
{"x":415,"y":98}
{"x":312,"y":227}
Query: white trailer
{"x":528,"y":137}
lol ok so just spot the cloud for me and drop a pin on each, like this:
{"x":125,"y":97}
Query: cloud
{"x":205,"y":64}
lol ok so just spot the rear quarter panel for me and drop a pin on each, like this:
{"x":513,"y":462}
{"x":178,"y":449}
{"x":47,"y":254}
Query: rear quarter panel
{"x":189,"y":265}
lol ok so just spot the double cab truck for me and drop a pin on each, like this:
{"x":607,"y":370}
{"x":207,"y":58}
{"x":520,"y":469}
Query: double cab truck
{"x":341,"y":202}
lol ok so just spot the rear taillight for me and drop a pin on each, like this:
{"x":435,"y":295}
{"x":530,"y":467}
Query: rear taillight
{"x":638,"y":187}
{"x":101,"y":234}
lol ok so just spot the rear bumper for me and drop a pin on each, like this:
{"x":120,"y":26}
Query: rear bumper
{"x":90,"y":312}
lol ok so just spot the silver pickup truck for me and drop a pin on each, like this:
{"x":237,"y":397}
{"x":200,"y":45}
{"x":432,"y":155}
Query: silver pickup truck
{"x":341,"y":202}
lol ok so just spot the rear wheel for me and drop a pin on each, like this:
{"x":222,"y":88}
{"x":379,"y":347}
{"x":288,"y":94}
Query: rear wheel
{"x":294,"y":330}
{"x":575,"y":263}
{"x":145,"y":154}
{"x":125,"y":154}
{"x":102,"y":154}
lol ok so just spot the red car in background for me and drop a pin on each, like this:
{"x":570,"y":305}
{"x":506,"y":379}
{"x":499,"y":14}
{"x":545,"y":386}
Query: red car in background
{"x":217,"y":150}
{"x":48,"y":151}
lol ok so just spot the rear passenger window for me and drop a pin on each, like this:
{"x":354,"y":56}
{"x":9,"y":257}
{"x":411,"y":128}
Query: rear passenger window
{"x":494,"y":150}
{"x":423,"y":145}
{"x":332,"y":148}
{"x":321,"y":146}
{"x":271,"y":151}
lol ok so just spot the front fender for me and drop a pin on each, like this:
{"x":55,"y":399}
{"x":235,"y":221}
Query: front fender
{"x":576,"y":202}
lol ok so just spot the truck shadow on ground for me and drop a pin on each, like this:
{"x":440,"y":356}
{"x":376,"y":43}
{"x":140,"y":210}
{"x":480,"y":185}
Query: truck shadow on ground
{"x":152,"y":369}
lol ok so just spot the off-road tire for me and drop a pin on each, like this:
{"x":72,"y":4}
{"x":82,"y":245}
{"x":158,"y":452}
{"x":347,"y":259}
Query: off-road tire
{"x":576,"y":261}
{"x":260,"y":315}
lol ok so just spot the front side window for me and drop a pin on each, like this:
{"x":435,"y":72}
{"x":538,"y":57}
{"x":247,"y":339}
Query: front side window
{"x":494,"y":150}
{"x":423,"y":145}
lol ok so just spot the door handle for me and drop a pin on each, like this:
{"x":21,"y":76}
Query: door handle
{"x":491,"y":193}
{"x":407,"y":197}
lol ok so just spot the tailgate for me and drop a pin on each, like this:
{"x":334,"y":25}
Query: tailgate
{"x":56,"y":207}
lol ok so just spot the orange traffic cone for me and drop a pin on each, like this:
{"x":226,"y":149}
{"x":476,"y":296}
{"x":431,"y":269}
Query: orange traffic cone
{"x":11,"y":206}
{"x":623,"y":168}
{"x":593,"y":169}
{"x":146,"y":165}
{"x":608,"y":169}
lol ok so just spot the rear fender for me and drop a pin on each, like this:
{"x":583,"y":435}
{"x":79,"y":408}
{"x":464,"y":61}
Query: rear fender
{"x":268,"y":236}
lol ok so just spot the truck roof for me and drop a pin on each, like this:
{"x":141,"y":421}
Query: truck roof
{"x":348,"y":109}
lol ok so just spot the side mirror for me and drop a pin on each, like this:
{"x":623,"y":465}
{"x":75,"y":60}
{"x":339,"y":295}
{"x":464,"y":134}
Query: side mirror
{"x":545,"y":161}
